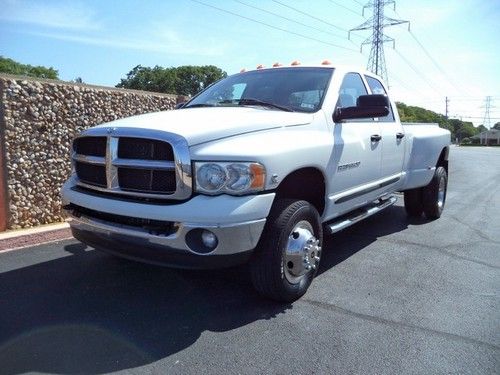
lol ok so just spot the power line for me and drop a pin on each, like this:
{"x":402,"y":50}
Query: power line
{"x":445,"y":74}
{"x":417,"y":72}
{"x":480,"y":118}
{"x":359,"y":3}
{"x":431,"y":58}
{"x":272,"y":26}
{"x":313,"y":17}
{"x":288,"y":19}
{"x":343,"y":6}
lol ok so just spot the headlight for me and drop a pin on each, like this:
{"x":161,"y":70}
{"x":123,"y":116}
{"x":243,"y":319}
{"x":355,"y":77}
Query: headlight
{"x":236,"y":178}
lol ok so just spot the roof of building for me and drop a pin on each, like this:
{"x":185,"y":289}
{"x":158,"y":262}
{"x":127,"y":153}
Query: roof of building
{"x":492,"y":133}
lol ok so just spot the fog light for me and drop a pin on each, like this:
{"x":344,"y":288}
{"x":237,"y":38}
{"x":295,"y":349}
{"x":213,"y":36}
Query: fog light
{"x":209,"y":239}
{"x":201,"y":241}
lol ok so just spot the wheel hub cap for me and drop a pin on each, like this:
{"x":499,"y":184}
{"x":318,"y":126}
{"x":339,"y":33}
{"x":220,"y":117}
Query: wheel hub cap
{"x":441,"y":192}
{"x":302,"y":253}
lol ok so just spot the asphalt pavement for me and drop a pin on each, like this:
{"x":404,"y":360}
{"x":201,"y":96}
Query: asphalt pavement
{"x":393,"y":296}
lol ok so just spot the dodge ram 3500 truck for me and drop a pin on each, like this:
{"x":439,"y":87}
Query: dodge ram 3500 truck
{"x":254,"y":169}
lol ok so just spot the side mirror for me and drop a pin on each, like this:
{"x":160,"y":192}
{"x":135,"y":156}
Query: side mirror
{"x":367,"y":106}
{"x":180,"y":105}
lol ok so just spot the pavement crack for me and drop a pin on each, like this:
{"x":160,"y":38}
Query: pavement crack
{"x":393,"y":323}
{"x":441,"y":250}
{"x":475,"y":230}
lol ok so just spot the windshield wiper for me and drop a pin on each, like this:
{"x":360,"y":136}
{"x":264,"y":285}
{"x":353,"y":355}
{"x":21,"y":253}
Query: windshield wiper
{"x":199,"y":105}
{"x":252,"y":101}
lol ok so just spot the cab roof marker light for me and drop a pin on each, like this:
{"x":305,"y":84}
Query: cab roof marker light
{"x":260,"y":66}
{"x":277,"y":65}
{"x":243,"y":70}
{"x":295,"y":63}
{"x":326,"y":62}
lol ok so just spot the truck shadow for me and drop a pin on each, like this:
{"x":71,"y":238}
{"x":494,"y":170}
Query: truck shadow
{"x":89,"y":312}
{"x":342,"y":245}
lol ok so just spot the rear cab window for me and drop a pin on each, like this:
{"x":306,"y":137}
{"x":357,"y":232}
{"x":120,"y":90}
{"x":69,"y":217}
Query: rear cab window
{"x":376,"y":87}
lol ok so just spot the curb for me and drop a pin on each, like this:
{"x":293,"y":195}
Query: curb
{"x":21,"y":238}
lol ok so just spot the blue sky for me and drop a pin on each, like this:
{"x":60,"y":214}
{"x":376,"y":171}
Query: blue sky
{"x":101,"y":41}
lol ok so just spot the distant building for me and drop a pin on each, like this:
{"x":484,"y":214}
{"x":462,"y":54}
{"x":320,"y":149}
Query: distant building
{"x":488,"y":137}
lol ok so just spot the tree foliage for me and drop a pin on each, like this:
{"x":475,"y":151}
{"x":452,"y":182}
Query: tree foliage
{"x":458,"y":128}
{"x":496,"y":126}
{"x":482,"y":128}
{"x":13,"y":67}
{"x":183,"y":80}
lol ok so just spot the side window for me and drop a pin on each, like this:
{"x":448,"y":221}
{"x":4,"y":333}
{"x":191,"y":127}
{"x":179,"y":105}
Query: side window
{"x":351,"y":89}
{"x":377,"y":88}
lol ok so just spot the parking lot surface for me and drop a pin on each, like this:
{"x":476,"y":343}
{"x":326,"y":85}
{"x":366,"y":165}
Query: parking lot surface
{"x":393,"y":295}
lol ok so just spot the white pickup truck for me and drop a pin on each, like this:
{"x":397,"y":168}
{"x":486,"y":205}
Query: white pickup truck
{"x":254,"y":169}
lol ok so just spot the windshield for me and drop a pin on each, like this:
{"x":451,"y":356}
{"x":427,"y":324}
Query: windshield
{"x":291,"y":89}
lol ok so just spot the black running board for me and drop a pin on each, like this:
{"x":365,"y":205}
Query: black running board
{"x":360,"y":214}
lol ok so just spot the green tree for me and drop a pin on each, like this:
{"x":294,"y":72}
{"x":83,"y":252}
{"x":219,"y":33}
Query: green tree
{"x":496,"y":126}
{"x":13,"y":67}
{"x":183,"y":80}
{"x":482,"y":128}
{"x":459,"y":129}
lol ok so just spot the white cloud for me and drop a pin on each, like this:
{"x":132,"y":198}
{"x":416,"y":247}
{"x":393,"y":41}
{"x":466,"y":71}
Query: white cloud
{"x":69,"y":15}
{"x":172,"y":44}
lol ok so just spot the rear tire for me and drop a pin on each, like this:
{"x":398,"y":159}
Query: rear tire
{"x":413,"y":202}
{"x":287,"y":257}
{"x":434,"y":194}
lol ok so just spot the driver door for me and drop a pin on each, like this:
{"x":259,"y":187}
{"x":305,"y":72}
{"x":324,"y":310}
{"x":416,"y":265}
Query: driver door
{"x":356,"y":158}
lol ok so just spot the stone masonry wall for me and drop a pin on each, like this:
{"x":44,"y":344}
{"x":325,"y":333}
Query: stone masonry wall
{"x":38,"y":120}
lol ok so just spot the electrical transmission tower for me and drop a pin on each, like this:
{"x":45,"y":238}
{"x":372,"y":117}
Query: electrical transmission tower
{"x":376,"y":61}
{"x":487,"y":108}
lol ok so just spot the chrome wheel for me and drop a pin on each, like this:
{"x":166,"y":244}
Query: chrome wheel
{"x":441,"y":192}
{"x":302,"y":252}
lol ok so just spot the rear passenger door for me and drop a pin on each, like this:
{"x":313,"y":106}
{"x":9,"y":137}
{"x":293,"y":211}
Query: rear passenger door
{"x":393,"y":139}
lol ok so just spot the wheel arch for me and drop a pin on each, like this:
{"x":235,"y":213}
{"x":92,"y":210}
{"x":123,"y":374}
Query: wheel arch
{"x":307,"y":184}
{"x":443,"y":158}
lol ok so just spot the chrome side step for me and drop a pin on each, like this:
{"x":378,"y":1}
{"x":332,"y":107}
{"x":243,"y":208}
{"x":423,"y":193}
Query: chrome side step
{"x":360,"y":214}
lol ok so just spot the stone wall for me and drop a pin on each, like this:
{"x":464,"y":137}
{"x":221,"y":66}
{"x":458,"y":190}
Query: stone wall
{"x":38,"y":120}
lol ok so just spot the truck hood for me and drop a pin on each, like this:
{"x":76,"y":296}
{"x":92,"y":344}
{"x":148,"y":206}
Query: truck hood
{"x":200,"y":125}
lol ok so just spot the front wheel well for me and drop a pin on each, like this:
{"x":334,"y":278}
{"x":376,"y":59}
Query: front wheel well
{"x":304,"y":184}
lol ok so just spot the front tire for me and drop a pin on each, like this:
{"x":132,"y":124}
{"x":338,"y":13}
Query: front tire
{"x":288,"y":255}
{"x":434,"y":194}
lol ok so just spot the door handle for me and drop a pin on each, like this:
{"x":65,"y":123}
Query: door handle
{"x":400,"y":135}
{"x":376,"y":137}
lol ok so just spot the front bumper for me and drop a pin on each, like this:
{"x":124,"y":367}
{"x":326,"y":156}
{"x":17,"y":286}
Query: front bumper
{"x":170,"y":251}
{"x":237,"y":222}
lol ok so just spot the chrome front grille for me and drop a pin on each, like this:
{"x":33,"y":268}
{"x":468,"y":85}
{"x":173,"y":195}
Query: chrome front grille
{"x":130,"y":161}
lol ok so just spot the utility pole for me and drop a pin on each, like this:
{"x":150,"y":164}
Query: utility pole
{"x":447,"y":101}
{"x":376,"y":61}
{"x":487,"y":108}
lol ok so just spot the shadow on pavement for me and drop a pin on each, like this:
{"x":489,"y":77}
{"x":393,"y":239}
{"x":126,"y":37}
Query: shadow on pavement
{"x":340,"y":246}
{"x":89,"y":312}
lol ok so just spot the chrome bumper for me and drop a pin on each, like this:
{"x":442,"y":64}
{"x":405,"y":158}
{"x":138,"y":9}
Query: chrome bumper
{"x":236,"y":242}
